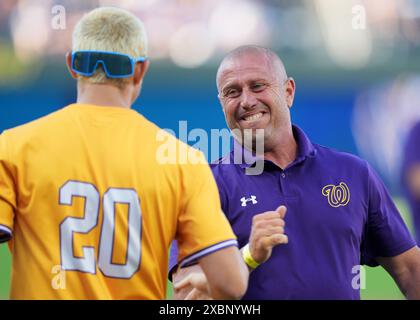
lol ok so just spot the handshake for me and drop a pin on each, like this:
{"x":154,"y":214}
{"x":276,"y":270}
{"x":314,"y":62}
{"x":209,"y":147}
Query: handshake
{"x":267,"y":231}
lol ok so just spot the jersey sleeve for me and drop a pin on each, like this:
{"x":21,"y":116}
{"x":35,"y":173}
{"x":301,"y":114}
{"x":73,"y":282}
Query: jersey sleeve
{"x":7,"y":192}
{"x":386,"y":234}
{"x":173,"y":259}
{"x":202,"y":226}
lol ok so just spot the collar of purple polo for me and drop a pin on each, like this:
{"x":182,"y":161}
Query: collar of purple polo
{"x":305,"y":149}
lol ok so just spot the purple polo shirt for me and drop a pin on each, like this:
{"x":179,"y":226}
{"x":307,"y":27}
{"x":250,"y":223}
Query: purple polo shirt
{"x":411,"y":157}
{"x":339,"y":216}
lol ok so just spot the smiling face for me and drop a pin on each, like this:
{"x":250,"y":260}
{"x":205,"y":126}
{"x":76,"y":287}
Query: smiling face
{"x":255,"y":93}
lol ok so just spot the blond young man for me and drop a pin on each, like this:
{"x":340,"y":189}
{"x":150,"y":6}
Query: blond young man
{"x":89,"y":210}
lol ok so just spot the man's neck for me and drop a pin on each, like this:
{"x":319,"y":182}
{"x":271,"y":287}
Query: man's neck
{"x":102,"y":95}
{"x":285,"y":149}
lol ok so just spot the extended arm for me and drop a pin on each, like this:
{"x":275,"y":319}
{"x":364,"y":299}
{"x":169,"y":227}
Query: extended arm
{"x":405,"y":269}
{"x":267,"y":231}
{"x":220,"y":275}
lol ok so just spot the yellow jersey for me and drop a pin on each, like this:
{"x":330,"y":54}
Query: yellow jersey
{"x":91,"y":205}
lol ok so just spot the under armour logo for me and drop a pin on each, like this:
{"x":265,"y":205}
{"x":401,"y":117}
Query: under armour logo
{"x":244,"y":200}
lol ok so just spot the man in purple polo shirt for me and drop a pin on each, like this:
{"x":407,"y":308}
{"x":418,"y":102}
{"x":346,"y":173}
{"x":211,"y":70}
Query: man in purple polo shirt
{"x":339,"y":214}
{"x":411,"y":175}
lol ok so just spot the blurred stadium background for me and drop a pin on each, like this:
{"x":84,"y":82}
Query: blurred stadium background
{"x":356,"y":64}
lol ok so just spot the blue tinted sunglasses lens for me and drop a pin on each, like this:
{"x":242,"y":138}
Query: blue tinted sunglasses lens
{"x":115,"y":65}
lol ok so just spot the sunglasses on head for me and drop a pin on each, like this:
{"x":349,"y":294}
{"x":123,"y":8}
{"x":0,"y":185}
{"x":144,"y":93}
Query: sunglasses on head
{"x":115,"y":65}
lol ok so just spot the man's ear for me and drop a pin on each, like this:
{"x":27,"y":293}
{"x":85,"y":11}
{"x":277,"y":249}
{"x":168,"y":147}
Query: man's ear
{"x":68,"y":63}
{"x":219,"y":96}
{"x":140,"y":70}
{"x":290,"y":91}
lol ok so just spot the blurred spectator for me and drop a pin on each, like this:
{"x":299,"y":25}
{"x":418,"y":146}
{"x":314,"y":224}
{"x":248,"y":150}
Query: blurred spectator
{"x":411,"y":175}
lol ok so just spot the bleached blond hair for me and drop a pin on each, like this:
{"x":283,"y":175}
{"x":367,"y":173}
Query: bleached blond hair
{"x":110,"y":29}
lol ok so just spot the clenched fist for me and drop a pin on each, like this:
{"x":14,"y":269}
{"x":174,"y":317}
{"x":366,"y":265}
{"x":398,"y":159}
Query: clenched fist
{"x":267,"y":231}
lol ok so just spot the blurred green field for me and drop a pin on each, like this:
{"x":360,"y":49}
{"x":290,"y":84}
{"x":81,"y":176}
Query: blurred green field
{"x":379,"y":285}
{"x":5,"y":266}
